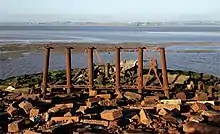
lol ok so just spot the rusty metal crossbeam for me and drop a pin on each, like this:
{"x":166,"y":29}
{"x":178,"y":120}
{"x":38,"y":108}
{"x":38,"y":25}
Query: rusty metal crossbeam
{"x":141,"y":85}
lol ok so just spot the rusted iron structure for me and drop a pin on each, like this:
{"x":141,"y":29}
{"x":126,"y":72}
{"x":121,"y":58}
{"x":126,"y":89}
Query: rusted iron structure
{"x":141,"y":83}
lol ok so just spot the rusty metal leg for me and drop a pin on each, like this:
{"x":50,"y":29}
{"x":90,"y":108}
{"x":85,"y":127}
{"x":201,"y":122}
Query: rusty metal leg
{"x":140,"y":70}
{"x":164,"y":72}
{"x":46,"y":68}
{"x":90,"y":70}
{"x":68,"y":69}
{"x":107,"y":70}
{"x":117,"y":67}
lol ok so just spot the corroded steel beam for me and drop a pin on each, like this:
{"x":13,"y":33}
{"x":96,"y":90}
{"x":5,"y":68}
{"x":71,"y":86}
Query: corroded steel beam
{"x":164,"y":72}
{"x":46,"y":68}
{"x":68,"y":69}
{"x":140,"y":70}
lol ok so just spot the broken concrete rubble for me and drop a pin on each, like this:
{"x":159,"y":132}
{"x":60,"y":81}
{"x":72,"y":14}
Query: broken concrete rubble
{"x":12,"y":110}
{"x":199,"y":107}
{"x":26,"y":106}
{"x":78,"y":112}
{"x":111,"y":114}
{"x":16,"y":126}
{"x":132,"y":96}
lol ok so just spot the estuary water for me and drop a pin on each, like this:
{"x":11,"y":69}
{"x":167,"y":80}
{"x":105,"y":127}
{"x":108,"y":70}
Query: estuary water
{"x":191,"y":55}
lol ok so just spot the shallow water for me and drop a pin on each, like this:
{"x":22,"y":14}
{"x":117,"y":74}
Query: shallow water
{"x":18,"y":63}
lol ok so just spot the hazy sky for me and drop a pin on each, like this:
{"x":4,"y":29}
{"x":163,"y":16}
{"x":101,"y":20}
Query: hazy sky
{"x":109,"y":10}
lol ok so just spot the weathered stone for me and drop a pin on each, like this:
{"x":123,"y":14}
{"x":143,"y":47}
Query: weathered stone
{"x":30,"y":132}
{"x":191,"y":86}
{"x":181,"y":95}
{"x":26,"y":106}
{"x":210,"y":113}
{"x":144,"y":118}
{"x":201,"y":86}
{"x":156,"y":98}
{"x":68,"y":114}
{"x":169,"y":118}
{"x":202,"y":102}
{"x":54,"y":110}
{"x":34,"y":112}
{"x":108,"y":102}
{"x":127,"y":64}
{"x":68,"y":105}
{"x":139,"y":107}
{"x":12,"y":110}
{"x":210,"y":91}
{"x":217,"y":108}
{"x":16,"y":126}
{"x":132,"y":96}
{"x":202,"y":96}
{"x":196,"y":118}
{"x":198,"y":107}
{"x":65,"y":119}
{"x":82,"y":109}
{"x":92,"y":102}
{"x":151,"y":101}
{"x":104,"y":96}
{"x":111,"y":114}
{"x":168,"y":106}
{"x":194,"y":127}
{"x":173,"y":101}
{"x":92,"y":93}
{"x":95,"y":122}
{"x":163,"y":112}
{"x":10,"y":89}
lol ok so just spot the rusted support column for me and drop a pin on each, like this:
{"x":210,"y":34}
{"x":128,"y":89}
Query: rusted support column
{"x":107,"y":65}
{"x":90,"y":68}
{"x":68,"y":69}
{"x":140,"y":70}
{"x":46,"y":68}
{"x":164,"y":72}
{"x":117,"y":67}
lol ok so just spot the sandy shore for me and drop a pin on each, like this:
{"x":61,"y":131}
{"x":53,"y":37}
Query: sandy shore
{"x":104,"y":47}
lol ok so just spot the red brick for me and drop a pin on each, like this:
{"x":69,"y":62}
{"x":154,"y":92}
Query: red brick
{"x":12,"y":110}
{"x":111,"y":114}
{"x":16,"y":126}
{"x":198,"y":106}
{"x":26,"y":106}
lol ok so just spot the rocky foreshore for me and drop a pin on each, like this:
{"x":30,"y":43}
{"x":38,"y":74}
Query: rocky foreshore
{"x":193,"y":106}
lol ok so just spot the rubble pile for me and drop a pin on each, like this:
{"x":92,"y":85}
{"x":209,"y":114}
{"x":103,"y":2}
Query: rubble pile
{"x":193,"y":105}
{"x":105,"y":113}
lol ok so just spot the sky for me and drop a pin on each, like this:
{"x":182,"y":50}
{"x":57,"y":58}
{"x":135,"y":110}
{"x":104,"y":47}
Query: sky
{"x":108,"y":10}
